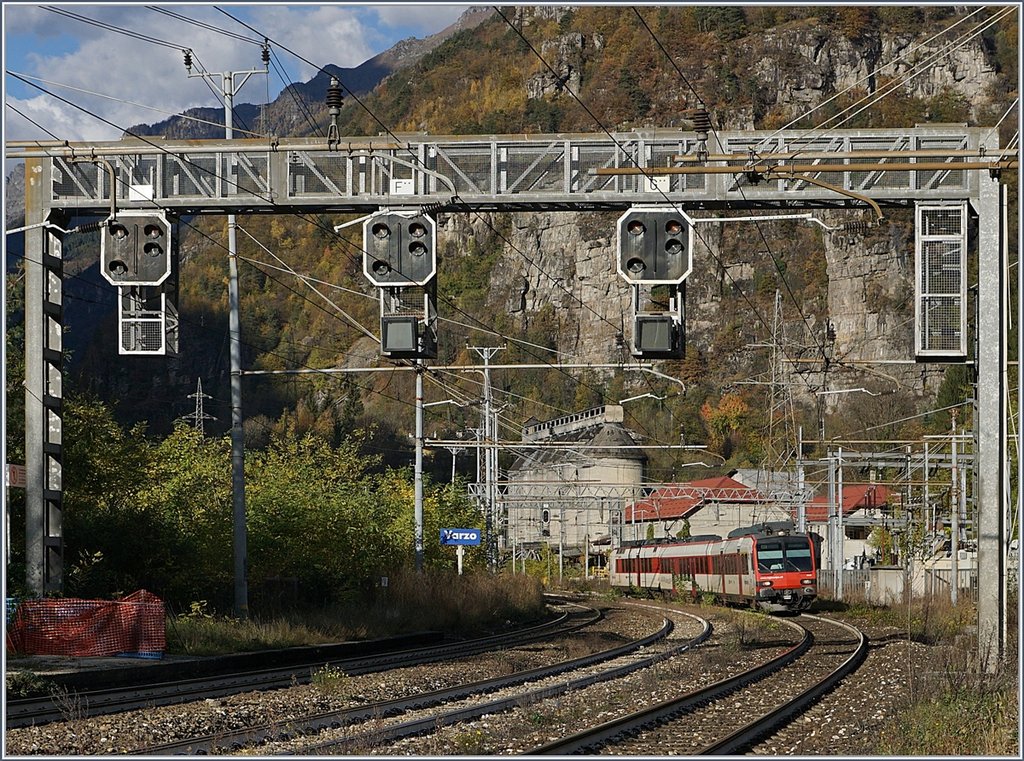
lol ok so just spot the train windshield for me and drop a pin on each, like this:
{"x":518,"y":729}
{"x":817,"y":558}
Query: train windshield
{"x":789,"y":554}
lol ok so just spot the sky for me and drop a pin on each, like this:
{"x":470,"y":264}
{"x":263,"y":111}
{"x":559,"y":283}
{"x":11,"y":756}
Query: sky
{"x":150,"y":73}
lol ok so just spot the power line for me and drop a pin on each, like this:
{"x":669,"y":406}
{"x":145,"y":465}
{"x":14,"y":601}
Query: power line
{"x":106,"y":26}
{"x":890,"y":87}
{"x":281,"y":72}
{"x":122,"y":100}
{"x":764,"y":239}
{"x":350,"y":244}
{"x":203,"y":25}
{"x":30,"y":120}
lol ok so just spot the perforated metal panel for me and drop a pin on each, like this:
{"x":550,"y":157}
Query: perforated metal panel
{"x":940,"y":297}
{"x":142,"y":321}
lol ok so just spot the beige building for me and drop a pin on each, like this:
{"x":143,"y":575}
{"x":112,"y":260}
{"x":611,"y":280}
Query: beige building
{"x":565,"y":487}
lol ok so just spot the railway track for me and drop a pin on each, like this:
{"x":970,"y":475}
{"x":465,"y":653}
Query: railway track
{"x":536,"y":686}
{"x":729,"y":716}
{"x":470,"y":694}
{"x":519,"y":710}
{"x":98,"y":702}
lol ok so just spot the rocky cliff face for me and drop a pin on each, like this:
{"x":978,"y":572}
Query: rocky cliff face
{"x":561,"y":261}
{"x":566,"y":261}
{"x":14,"y":197}
{"x":801,"y":67}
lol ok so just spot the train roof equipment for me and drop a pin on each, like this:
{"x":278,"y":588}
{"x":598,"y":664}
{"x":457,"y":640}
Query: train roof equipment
{"x":767,"y":528}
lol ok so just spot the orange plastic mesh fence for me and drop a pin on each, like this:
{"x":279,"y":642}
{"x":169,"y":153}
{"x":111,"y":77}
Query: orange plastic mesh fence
{"x":133,"y":625}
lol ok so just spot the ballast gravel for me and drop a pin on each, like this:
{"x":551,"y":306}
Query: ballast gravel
{"x":848,"y":721}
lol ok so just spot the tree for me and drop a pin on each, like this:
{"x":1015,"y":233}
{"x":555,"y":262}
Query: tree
{"x":115,"y":540}
{"x":724,"y":420}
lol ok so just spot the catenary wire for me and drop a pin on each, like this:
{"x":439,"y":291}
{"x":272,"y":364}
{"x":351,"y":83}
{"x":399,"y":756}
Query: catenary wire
{"x":204,"y":25}
{"x":116,"y":29}
{"x":127,"y":102}
{"x":764,"y":240}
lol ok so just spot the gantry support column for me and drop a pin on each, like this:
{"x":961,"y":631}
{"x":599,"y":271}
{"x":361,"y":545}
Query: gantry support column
{"x":44,"y":326}
{"x":990,"y":432}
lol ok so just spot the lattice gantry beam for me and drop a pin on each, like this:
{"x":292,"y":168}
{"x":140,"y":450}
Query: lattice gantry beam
{"x":527,"y":172}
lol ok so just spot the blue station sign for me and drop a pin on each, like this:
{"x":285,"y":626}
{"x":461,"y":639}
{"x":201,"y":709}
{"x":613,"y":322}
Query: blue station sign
{"x":463,"y":536}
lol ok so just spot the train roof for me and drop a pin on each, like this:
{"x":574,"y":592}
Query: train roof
{"x":768,"y":528}
{"x":672,"y":540}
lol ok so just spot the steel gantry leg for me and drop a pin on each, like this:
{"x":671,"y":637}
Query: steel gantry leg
{"x":44,"y":327}
{"x":991,"y":428}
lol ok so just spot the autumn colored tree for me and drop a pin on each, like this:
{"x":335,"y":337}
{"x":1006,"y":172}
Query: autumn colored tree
{"x":723,"y":420}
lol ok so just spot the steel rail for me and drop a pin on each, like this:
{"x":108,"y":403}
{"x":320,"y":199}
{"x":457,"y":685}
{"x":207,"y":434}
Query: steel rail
{"x":432,"y":723}
{"x":35,"y":711}
{"x":744,"y":737}
{"x":235,"y":740}
{"x":594,"y":737}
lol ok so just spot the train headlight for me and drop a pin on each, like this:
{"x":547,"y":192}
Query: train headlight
{"x":807,"y":582}
{"x":766,"y":583}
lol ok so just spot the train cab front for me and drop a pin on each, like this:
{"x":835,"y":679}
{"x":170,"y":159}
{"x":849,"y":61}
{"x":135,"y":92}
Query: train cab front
{"x":786,"y":591}
{"x":786,"y":572}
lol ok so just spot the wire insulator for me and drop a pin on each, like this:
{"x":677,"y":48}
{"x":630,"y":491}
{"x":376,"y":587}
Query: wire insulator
{"x":334,"y":99}
{"x":855,"y":227}
{"x":701,"y":120}
{"x":88,"y":227}
{"x":188,"y":59}
{"x":265,"y":55}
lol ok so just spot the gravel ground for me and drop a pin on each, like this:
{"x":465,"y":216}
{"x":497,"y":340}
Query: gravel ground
{"x":124,"y":732}
{"x":847,"y":722}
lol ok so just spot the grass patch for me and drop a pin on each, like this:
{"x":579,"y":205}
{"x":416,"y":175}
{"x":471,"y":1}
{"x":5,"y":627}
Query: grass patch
{"x":930,"y":620}
{"x":330,"y":680}
{"x":461,"y":606}
{"x":954,"y":708}
{"x":24,"y":684}
{"x":964,"y":723}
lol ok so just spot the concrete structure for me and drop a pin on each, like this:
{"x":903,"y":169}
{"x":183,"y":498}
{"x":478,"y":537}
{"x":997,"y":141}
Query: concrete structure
{"x":579,"y":449}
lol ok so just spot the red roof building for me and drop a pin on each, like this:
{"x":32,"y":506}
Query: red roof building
{"x":707,"y":506}
{"x":675,"y":501}
{"x":855,"y":497}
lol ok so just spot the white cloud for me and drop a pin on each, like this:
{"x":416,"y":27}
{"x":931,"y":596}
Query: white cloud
{"x":117,"y":65}
{"x":321,"y":34}
{"x":422,"y":19}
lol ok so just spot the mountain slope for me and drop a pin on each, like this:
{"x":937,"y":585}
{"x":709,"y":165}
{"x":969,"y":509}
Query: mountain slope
{"x":549,"y":278}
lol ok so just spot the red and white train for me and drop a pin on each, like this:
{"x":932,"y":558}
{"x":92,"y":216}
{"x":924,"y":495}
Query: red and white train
{"x":769,"y":565}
